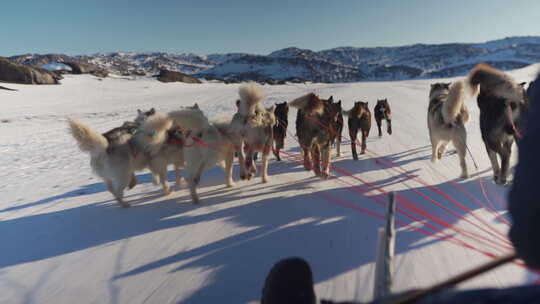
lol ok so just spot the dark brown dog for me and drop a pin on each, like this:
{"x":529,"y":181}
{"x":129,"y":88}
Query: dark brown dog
{"x":359,"y":119}
{"x":280,"y":129}
{"x":503,"y":108}
{"x":315,"y":129}
{"x":337,"y":124}
{"x":382,"y":111}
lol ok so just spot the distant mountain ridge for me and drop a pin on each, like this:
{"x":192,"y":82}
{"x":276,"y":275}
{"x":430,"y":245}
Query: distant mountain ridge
{"x":342,"y":64}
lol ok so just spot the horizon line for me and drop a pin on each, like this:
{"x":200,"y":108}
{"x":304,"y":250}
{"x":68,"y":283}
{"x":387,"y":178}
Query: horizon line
{"x":259,"y":54}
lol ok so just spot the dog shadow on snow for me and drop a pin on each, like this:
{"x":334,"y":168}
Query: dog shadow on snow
{"x":333,"y":237}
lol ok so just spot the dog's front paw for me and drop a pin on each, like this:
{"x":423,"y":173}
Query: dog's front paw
{"x":167,"y":191}
{"x":500,"y":181}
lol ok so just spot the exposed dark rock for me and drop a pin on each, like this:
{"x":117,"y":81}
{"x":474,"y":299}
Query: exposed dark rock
{"x":172,"y":76}
{"x":83,"y":68}
{"x":18,"y":73}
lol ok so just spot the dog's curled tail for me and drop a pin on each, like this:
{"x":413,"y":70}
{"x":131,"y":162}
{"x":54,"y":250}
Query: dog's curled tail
{"x":190,"y":119}
{"x":486,"y":79}
{"x":151,"y":134}
{"x":302,"y":102}
{"x":89,"y":140}
{"x":453,"y":106}
{"x":250,"y":96}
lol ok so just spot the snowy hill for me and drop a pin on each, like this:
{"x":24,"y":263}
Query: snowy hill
{"x":64,"y":239}
{"x":342,"y":64}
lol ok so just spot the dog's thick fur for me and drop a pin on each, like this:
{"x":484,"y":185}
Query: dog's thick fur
{"x":116,"y":166}
{"x":359,"y":119}
{"x":315,"y":129}
{"x":206,"y":145}
{"x":172,"y":151}
{"x":447,"y":116}
{"x":382,"y":111}
{"x":253,"y":129}
{"x":280,"y":129}
{"x":503,"y":108}
{"x":290,"y":281}
{"x":122,"y":134}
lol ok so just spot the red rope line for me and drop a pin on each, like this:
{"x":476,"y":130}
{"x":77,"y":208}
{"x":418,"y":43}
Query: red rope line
{"x":418,"y":210}
{"x":436,"y":190}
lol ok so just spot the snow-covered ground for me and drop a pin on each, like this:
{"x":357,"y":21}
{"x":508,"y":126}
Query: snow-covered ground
{"x":65,"y":240}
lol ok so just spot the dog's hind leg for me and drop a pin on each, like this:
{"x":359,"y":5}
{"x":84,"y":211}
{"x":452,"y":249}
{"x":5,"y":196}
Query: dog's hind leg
{"x":194,"y":177}
{"x":164,"y":182}
{"x":132,"y":182}
{"x":108,"y":184}
{"x":264,"y":166}
{"x":442,"y":147}
{"x":353,"y":134}
{"x":155,"y":179}
{"x":505,"y":153}
{"x":276,"y":149}
{"x":118,"y":185}
{"x":379,"y":125}
{"x":325,"y":162}
{"x":338,"y":145}
{"x":494,"y":163}
{"x":177,"y":175}
{"x":434,"y":148}
{"x":159,"y":168}
{"x":241,"y":159}
{"x":461,"y":148}
{"x":316,"y":159}
{"x":307,"y":158}
{"x":364,"y":141}
{"x":229,"y":159}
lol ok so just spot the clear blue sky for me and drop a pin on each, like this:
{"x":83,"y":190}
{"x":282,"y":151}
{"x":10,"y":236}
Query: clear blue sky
{"x":86,"y":27}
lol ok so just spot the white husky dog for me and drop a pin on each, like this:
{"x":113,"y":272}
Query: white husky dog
{"x":206,"y":145}
{"x":172,"y":150}
{"x":253,"y":129}
{"x":116,"y":164}
{"x":447,"y":116}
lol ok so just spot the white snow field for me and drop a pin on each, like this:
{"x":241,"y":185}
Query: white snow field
{"x":65,"y":240}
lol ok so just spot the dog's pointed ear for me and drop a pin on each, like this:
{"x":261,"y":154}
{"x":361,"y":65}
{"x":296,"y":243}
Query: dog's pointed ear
{"x":196,"y":106}
{"x":339,"y":102}
{"x":152,"y":111}
{"x":522,"y":84}
{"x":139,"y":111}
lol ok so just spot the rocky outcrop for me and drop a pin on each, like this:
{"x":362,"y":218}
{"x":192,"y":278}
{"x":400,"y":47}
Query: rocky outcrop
{"x":172,"y":76}
{"x":18,"y":73}
{"x":83,"y":68}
